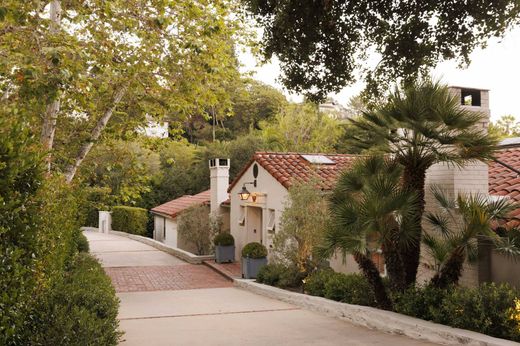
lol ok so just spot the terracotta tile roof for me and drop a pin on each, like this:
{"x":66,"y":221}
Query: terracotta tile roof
{"x":288,"y":168}
{"x":173,"y":208}
{"x":503,"y":181}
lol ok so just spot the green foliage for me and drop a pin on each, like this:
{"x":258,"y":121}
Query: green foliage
{"x":457,"y":225}
{"x":506,"y":126}
{"x":80,"y":309}
{"x":129,"y":219}
{"x":322,"y":46}
{"x":224,"y":239}
{"x":280,"y":275}
{"x":423,"y":124}
{"x":315,"y":282}
{"x":119,"y":173}
{"x":193,"y":225}
{"x":254,"y":250}
{"x":302,"y":225}
{"x":490,"y":309}
{"x":346,"y":288}
{"x":349,"y":288}
{"x":303,"y":128}
{"x":81,"y":241}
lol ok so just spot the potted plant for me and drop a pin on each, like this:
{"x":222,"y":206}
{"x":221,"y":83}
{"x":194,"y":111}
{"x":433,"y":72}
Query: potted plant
{"x":224,"y":248}
{"x":254,"y":257}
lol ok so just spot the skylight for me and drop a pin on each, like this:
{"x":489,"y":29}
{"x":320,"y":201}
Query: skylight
{"x":318,"y":159}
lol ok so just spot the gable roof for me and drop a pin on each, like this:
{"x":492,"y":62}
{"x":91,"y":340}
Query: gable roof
{"x":176,"y":206}
{"x":288,"y":168}
{"x":503,"y":181}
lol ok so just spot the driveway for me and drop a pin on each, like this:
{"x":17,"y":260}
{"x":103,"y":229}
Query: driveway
{"x":165,"y":301}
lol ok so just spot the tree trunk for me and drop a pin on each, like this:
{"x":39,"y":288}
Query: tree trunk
{"x":94,"y":136}
{"x":370,"y":271}
{"x":451,"y":271}
{"x":51,"y":113}
{"x":414,"y":180}
{"x":394,"y":263}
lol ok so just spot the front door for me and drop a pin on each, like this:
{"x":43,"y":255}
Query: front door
{"x":254,"y":224}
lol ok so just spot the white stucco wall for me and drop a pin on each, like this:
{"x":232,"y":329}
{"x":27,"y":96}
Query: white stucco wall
{"x":271,"y":195}
{"x":165,"y":230}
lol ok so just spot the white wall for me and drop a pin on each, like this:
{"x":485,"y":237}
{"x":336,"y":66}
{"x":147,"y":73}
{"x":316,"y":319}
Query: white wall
{"x":165,"y":230}
{"x":272,"y":195}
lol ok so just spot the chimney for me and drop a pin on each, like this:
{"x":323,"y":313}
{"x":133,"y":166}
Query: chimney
{"x":219,"y":182}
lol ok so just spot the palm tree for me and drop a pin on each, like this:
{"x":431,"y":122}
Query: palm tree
{"x":367,"y":207}
{"x":456,"y":226}
{"x":421,"y":125}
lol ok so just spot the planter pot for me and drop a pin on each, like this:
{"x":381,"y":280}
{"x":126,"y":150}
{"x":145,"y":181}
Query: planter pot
{"x":224,"y":253}
{"x":251,"y":266}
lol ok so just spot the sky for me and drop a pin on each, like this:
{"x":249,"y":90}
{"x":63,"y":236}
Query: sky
{"x":497,"y":68}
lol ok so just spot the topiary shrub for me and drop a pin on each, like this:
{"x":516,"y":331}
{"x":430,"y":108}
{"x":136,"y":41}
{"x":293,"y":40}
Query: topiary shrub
{"x":129,"y":219}
{"x":224,"y":239}
{"x":315,"y":282}
{"x":349,"y":288}
{"x":254,"y":250}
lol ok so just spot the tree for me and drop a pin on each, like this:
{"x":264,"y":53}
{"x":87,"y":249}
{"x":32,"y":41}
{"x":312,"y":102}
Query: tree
{"x":507,"y":126}
{"x":155,"y":58}
{"x":303,"y":128}
{"x":457,"y":225}
{"x":422,"y":125}
{"x":194,"y":225}
{"x":302,"y":226}
{"x":322,"y":45}
{"x":368,"y":210}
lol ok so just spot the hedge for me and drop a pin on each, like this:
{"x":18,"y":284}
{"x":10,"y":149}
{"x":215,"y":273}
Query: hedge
{"x":81,"y":309}
{"x":129,"y":219}
{"x":490,"y":308}
{"x":280,"y":275}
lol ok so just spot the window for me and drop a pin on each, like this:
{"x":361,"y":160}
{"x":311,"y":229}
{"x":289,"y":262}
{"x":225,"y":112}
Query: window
{"x":318,"y":159}
{"x":271,"y":220}
{"x":164,"y":228}
{"x":242,"y":216}
{"x":470,"y":97}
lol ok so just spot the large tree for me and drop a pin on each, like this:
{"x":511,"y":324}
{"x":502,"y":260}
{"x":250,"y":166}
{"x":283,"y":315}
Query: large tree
{"x":321,"y":44}
{"x":82,"y":67}
{"x":421,"y":125}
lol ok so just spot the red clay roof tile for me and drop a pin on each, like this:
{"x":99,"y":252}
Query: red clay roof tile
{"x":290,"y":167}
{"x":176,"y":206}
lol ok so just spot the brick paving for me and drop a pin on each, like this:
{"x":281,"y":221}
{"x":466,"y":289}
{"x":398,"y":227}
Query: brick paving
{"x":229,"y":270}
{"x":156,"y":278}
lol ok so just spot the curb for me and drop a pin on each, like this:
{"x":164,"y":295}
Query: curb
{"x":183,"y":255}
{"x":385,"y":321}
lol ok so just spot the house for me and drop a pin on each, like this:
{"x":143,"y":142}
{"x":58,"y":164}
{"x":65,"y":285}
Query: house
{"x":165,"y":215}
{"x":253,"y":203}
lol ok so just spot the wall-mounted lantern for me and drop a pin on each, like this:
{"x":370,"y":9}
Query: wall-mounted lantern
{"x":244,"y":193}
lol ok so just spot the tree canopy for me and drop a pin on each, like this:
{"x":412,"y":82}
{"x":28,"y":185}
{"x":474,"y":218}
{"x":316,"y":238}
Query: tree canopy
{"x":321,"y":44}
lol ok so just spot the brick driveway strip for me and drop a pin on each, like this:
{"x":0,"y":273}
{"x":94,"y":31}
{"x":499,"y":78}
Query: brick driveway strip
{"x":160,"y":278}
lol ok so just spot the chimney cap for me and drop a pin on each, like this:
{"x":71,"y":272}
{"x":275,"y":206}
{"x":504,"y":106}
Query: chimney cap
{"x":217,"y":162}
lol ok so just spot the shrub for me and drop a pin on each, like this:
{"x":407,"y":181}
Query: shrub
{"x":254,"y":250}
{"x":280,"y":275}
{"x":423,"y":302}
{"x":349,"y":288}
{"x":224,"y":239}
{"x":315,"y":283}
{"x":490,"y":309}
{"x":194,"y":226}
{"x":81,"y":242}
{"x":81,"y":309}
{"x":129,"y":219}
{"x":487,"y":309}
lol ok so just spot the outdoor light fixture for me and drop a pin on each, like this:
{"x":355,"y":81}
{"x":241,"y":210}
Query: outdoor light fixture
{"x":244,"y":193}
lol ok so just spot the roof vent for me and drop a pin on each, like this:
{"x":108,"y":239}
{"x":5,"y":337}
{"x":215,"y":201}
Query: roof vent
{"x":318,"y":159}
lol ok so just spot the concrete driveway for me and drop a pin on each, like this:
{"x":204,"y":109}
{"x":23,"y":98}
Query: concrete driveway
{"x":165,"y":301}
